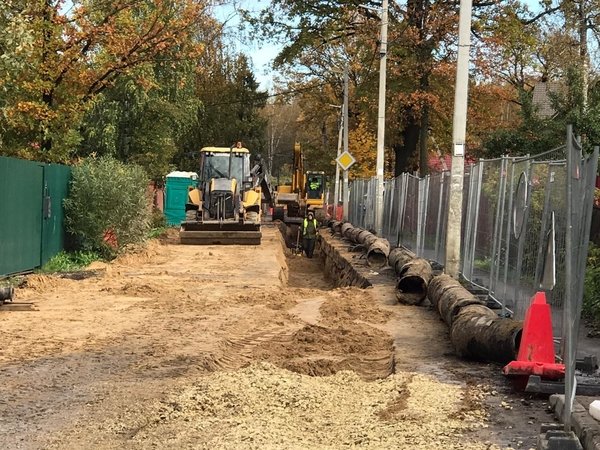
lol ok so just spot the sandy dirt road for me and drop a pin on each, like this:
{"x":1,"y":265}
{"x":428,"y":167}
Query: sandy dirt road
{"x":237,"y":347}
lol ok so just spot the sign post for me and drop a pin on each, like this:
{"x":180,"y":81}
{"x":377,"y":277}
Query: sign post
{"x":345,"y":161}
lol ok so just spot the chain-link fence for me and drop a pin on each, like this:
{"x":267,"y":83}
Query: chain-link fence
{"x":514,"y":223}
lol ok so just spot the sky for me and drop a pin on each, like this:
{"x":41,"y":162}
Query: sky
{"x":261,"y":55}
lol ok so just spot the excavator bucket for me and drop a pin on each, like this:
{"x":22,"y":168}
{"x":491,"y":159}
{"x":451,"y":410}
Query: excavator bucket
{"x":220,"y":233}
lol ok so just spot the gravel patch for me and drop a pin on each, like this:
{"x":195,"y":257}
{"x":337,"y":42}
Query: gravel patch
{"x":262,"y":406}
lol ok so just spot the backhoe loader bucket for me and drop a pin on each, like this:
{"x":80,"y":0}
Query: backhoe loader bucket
{"x":220,"y":233}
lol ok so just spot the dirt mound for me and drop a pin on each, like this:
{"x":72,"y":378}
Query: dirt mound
{"x":43,"y":283}
{"x":139,"y":290}
{"x":169,"y":236}
{"x":351,"y":305}
{"x":318,"y":351}
{"x":136,"y":255}
{"x":280,"y":300}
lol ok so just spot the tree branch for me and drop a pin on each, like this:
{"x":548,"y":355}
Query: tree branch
{"x":539,"y":16}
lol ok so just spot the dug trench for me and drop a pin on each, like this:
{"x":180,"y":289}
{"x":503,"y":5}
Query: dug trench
{"x":225,"y":347}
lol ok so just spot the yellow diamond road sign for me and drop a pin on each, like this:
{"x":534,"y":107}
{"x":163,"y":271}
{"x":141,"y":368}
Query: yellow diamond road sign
{"x":345,"y":160}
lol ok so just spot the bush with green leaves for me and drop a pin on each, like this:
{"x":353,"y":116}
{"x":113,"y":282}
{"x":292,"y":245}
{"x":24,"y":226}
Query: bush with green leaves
{"x":591,"y":293}
{"x":107,"y":207}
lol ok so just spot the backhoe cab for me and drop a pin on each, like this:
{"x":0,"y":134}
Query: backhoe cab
{"x":225,"y":208}
{"x":315,"y":191}
{"x":305,"y":193}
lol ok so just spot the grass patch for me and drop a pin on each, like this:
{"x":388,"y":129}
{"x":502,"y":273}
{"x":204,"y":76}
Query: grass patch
{"x":156,"y":232}
{"x":482,"y":264}
{"x":70,"y":262}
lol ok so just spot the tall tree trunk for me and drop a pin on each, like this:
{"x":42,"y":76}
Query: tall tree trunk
{"x":403,"y":152}
{"x":583,"y":55}
{"x":424,"y":132}
{"x":47,"y":93}
{"x":416,"y":130}
{"x":423,"y":135}
{"x":324,"y":137}
{"x":46,"y":140}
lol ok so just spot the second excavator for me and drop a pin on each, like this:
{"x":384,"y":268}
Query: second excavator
{"x":305,"y":193}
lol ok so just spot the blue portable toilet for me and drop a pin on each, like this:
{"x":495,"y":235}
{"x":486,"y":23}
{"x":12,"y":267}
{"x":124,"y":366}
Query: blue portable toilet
{"x":176,"y":193}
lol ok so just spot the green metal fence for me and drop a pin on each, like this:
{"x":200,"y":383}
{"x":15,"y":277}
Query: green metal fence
{"x":31,"y":213}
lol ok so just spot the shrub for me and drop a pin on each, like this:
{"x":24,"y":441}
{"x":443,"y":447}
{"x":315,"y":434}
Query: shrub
{"x":107,"y":206}
{"x":158,"y":219}
{"x":158,"y":224}
{"x":591,"y":292}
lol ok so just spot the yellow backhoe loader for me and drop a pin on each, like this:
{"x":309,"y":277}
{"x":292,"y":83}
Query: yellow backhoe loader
{"x":306,"y":193}
{"x":225,"y":208}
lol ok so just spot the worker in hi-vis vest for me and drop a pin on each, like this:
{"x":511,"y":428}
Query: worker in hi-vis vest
{"x":309,"y":234}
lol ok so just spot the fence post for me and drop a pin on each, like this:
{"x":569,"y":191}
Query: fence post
{"x":521,"y":245}
{"x":568,"y":335}
{"x":438,"y":226}
{"x":508,"y":234}
{"x":539,"y":263}
{"x":496,"y":245}
{"x":403,"y":187}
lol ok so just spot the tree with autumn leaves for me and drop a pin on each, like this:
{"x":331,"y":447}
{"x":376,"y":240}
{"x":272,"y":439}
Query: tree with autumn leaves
{"x":514,"y":49}
{"x":125,"y":78}
{"x":151,"y":81}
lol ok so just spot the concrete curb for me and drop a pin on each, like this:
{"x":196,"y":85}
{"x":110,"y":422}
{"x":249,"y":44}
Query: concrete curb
{"x":585,"y":427}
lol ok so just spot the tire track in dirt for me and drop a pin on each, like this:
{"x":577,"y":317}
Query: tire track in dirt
{"x":142,"y":330}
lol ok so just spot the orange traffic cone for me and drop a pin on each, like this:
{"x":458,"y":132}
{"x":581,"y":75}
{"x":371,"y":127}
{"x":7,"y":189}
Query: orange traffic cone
{"x":536,"y":349}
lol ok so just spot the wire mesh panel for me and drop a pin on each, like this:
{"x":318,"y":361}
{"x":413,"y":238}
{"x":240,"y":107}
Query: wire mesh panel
{"x":400,"y":195}
{"x":369,"y":201}
{"x":514,"y":225}
{"x":410,"y":217}
{"x":554,"y":231}
{"x":442,"y":220}
{"x":432,"y":216}
{"x":485,"y":205}
{"x":469,"y":218}
{"x":356,"y":202}
{"x":390,"y":211}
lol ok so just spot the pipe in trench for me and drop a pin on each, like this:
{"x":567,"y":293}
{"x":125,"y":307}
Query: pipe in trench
{"x":377,"y":248}
{"x":377,"y":254}
{"x":398,"y":257}
{"x":476,"y":331}
{"x":413,"y":281}
{"x":414,"y":275}
{"x":335,"y":226}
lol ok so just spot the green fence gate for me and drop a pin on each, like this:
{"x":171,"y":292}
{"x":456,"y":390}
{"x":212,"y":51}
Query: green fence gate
{"x":31,"y":213}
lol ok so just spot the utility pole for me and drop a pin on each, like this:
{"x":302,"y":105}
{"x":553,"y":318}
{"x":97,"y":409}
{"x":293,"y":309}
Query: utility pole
{"x":459,"y":131}
{"x":336,"y":191}
{"x":381,"y":119}
{"x":346,"y":195}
